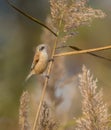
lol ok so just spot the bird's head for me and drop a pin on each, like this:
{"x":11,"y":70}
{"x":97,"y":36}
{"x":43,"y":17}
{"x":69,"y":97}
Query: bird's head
{"x":42,"y":48}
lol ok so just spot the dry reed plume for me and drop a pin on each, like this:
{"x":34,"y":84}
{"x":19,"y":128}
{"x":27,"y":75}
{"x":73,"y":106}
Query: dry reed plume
{"x":73,"y":13}
{"x":24,"y":111}
{"x":47,"y":121}
{"x":94,"y":111}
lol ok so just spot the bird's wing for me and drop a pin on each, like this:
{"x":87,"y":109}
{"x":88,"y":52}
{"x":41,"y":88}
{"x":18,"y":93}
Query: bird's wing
{"x":35,"y":61}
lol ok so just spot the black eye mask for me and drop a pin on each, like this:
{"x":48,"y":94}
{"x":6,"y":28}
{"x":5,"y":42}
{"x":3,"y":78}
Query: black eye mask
{"x":41,"y":48}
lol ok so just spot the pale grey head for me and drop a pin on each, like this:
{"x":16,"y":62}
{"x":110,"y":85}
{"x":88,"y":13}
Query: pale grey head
{"x":42,"y":48}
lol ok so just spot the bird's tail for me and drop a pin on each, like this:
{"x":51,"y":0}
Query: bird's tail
{"x":30,"y":74}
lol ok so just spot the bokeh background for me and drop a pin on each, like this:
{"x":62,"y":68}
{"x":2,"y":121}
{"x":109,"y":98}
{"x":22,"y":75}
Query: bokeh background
{"x":18,"y":38}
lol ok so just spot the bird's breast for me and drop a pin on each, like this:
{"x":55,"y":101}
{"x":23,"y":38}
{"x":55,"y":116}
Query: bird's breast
{"x":42,"y":63}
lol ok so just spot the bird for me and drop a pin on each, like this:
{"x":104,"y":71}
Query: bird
{"x":40,"y":61}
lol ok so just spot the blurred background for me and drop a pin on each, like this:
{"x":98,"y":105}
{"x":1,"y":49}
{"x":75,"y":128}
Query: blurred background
{"x":18,"y":38}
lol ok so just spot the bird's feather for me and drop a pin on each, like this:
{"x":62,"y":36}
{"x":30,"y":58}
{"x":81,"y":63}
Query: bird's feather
{"x":35,"y":61}
{"x":29,"y":75}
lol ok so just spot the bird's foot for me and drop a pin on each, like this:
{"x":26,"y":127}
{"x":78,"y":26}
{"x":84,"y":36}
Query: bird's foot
{"x":47,"y":76}
{"x":51,"y":60}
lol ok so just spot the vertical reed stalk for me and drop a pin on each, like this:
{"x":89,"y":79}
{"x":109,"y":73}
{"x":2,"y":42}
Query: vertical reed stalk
{"x":46,"y":80}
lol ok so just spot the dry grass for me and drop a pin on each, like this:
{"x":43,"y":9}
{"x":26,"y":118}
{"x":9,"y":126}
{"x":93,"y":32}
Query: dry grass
{"x":24,"y":111}
{"x":67,"y":16}
{"x":47,"y":121}
{"x":74,"y":13}
{"x":94,"y":111}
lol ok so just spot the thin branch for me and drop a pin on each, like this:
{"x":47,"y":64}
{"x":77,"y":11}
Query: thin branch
{"x":83,"y":51}
{"x":31,"y":18}
{"x":98,"y":56}
{"x":79,"y":49}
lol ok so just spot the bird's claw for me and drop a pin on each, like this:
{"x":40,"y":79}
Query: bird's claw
{"x":47,"y":76}
{"x":51,"y":60}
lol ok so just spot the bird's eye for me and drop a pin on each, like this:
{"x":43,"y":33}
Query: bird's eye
{"x":41,"y":48}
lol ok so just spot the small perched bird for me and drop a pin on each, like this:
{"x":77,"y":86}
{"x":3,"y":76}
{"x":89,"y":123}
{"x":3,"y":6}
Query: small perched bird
{"x":40,"y":60}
